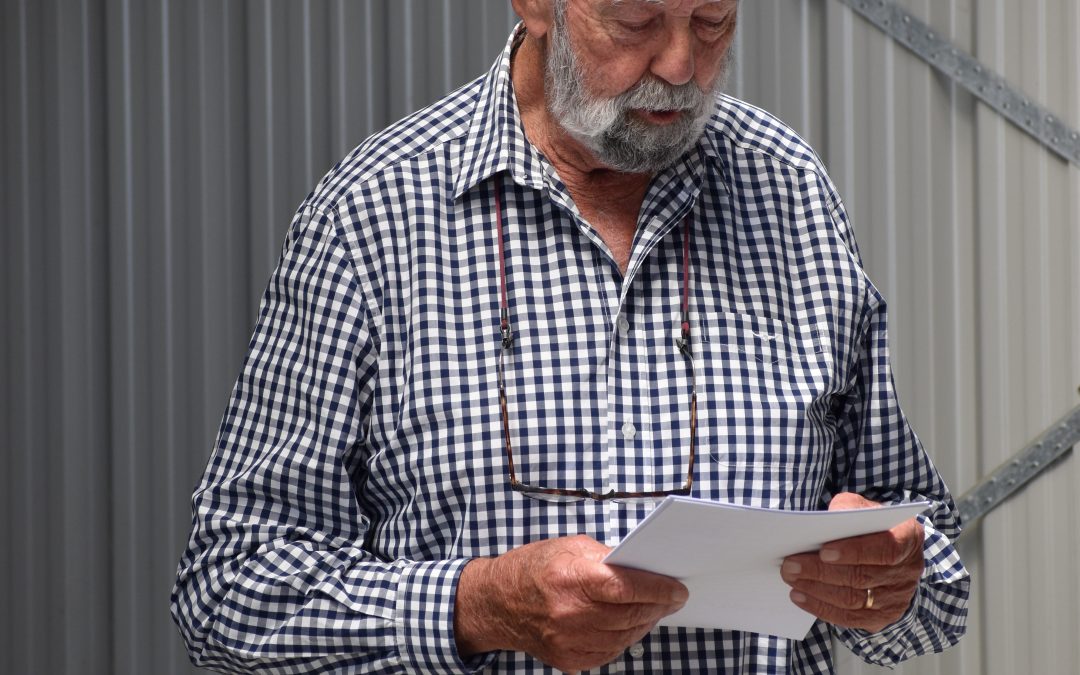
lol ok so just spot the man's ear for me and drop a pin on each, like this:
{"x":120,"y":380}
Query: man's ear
{"x":538,"y":15}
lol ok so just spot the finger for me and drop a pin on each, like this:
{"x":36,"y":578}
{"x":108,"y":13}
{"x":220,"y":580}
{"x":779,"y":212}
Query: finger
{"x":835,"y":605}
{"x":892,"y":547}
{"x":620,"y":586}
{"x":850,"y":500}
{"x":588,"y":649}
{"x":807,"y":567}
{"x":628,"y":636}
{"x":887,"y":600}
{"x":572,"y":662}
{"x":587,"y":547}
{"x":838,"y":597}
{"x":616,"y":618}
{"x":838,"y":616}
{"x":590,"y":640}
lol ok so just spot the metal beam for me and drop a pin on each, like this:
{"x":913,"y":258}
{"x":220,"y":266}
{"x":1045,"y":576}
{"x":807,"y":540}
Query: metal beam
{"x":1021,"y":469}
{"x":989,"y":87}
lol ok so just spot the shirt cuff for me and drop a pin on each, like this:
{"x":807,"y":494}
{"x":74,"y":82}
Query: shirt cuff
{"x":424,"y":619}
{"x":934,"y":620}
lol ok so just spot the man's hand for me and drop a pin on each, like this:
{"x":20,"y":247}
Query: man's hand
{"x":555,"y":600}
{"x":832,"y":583}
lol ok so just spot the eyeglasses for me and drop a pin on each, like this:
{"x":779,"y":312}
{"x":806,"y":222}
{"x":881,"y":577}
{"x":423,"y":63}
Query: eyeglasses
{"x":567,"y":495}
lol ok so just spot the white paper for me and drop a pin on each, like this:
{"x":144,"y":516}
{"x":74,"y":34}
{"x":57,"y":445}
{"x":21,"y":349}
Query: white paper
{"x":729,"y":556}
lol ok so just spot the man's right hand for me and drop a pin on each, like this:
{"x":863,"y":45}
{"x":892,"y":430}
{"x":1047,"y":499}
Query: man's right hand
{"x":555,"y":600}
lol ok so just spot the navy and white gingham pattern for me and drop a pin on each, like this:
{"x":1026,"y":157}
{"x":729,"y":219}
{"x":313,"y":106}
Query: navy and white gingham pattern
{"x":360,"y":462}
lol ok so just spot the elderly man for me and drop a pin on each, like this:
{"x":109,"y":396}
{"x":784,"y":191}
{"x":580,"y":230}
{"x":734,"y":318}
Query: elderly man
{"x":502,"y":328}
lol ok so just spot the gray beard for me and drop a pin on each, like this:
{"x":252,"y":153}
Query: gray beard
{"x":616,"y":138}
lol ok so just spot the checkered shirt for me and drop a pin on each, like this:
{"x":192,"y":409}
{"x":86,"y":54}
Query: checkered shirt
{"x":360,"y":462}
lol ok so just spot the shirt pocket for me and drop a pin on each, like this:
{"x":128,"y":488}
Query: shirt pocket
{"x":767,"y":341}
{"x":764,"y":393}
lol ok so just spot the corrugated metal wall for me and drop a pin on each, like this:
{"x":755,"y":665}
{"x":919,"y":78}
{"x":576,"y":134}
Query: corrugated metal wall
{"x":972,"y":231}
{"x":153,"y":153}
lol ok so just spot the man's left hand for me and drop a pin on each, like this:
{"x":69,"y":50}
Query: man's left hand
{"x":832,"y":583}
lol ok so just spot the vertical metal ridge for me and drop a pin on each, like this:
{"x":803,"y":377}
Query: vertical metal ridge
{"x":734,"y":84}
{"x":447,"y":55}
{"x":959,"y":280}
{"x":999,"y":541}
{"x":409,"y":70}
{"x":849,"y":102}
{"x":25,"y":564}
{"x":271,"y":146}
{"x":804,"y":62}
{"x":167,"y":387}
{"x":9,"y":347}
{"x":169,"y":240}
{"x":124,"y":314}
{"x":923,"y":172}
{"x":368,"y":60}
{"x":307,"y":74}
{"x":207,"y":287}
{"x":341,"y":140}
{"x":889,"y":128}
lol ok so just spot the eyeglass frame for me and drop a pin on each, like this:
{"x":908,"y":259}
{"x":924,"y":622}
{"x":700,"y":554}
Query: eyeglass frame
{"x":507,"y":344}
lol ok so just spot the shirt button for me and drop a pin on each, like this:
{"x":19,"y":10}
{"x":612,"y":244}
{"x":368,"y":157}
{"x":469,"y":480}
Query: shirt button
{"x":623,"y":326}
{"x":637,"y":650}
{"x":629,"y":431}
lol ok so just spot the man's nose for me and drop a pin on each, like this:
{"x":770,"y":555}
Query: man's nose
{"x":674,"y":62}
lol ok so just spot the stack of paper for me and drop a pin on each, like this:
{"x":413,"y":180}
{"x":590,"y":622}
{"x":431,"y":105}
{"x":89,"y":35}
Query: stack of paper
{"x":729,"y":556}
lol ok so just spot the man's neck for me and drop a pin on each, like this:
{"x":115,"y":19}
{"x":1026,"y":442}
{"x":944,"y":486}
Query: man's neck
{"x":592,"y":185}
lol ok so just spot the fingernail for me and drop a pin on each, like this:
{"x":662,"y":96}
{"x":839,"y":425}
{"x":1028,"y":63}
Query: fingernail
{"x":798,"y":597}
{"x":830,"y":554}
{"x":680,"y":595}
{"x":791,"y":568}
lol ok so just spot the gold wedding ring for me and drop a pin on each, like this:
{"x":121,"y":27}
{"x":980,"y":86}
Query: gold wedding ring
{"x":869,"y":604}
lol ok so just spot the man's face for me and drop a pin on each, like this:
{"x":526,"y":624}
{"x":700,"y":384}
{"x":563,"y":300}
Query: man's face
{"x":634,"y":81}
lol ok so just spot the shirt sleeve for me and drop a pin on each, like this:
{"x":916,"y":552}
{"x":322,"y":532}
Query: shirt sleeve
{"x":879,"y":457}
{"x":276,"y":577}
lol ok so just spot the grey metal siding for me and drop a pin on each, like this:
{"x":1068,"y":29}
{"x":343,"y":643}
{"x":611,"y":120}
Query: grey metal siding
{"x":972,"y":231}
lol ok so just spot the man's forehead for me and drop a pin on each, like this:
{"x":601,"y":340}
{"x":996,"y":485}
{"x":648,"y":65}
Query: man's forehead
{"x":684,"y":5}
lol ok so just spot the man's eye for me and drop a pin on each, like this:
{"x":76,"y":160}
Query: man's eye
{"x":711,"y":26}
{"x":638,"y":26}
{"x":712,"y":31}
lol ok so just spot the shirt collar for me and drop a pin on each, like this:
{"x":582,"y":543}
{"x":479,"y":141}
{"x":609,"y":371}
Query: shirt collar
{"x":713,"y":143}
{"x":495,"y":140}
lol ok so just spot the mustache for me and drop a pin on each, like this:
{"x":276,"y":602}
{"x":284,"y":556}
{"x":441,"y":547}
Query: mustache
{"x":653,"y":94}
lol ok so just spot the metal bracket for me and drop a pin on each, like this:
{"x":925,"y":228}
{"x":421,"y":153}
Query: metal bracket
{"x":995,"y":91}
{"x":1021,"y":469}
{"x":964,"y":69}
